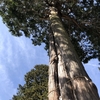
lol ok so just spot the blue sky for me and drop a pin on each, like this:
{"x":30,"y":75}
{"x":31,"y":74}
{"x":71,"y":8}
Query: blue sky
{"x":18,"y":56}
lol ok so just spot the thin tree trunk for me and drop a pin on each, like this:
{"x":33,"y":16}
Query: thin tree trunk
{"x":67,"y":78}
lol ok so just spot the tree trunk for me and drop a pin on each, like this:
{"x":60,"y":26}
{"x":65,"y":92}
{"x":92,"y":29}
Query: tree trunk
{"x":67,"y":78}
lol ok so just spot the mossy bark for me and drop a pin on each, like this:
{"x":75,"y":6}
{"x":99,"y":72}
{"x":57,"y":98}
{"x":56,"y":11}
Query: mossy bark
{"x":67,"y":78}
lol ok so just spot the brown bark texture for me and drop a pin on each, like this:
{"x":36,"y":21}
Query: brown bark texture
{"x":68,"y":79}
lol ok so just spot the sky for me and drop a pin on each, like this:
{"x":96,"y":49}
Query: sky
{"x":18,"y":56}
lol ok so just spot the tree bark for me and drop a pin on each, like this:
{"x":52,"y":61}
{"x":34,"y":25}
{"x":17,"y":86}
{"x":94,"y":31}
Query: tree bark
{"x":53,"y":71}
{"x":68,"y":79}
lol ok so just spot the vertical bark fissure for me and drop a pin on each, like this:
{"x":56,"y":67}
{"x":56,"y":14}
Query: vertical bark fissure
{"x":62,"y":74}
{"x":69,"y":79}
{"x":53,"y":88}
{"x":55,"y":48}
{"x":74,"y":83}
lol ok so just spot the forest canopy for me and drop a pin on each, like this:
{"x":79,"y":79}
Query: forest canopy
{"x":81,"y":19}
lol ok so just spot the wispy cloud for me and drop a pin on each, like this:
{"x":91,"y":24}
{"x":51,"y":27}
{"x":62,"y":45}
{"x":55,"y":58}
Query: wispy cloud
{"x":7,"y":88}
{"x":13,"y":52}
{"x":6,"y":85}
{"x":17,"y":56}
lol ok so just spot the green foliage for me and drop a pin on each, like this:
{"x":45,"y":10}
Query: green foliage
{"x":81,"y":19}
{"x":35,"y":87}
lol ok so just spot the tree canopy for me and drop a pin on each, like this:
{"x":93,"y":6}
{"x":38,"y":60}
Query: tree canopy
{"x":35,"y":87}
{"x":81,"y":19}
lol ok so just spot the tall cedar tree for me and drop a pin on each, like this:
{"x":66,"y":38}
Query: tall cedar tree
{"x":35,"y":87}
{"x":71,"y":31}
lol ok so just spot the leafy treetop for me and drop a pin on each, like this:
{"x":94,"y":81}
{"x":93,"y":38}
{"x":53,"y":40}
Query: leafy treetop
{"x":81,"y":19}
{"x":35,"y":87}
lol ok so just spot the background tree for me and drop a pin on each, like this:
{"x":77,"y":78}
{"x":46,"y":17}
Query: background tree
{"x":35,"y":87}
{"x":43,"y":19}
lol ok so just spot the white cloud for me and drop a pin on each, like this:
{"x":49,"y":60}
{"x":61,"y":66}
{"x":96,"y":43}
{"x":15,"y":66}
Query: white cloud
{"x":6,"y":85}
{"x":13,"y":52}
{"x":17,"y":56}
